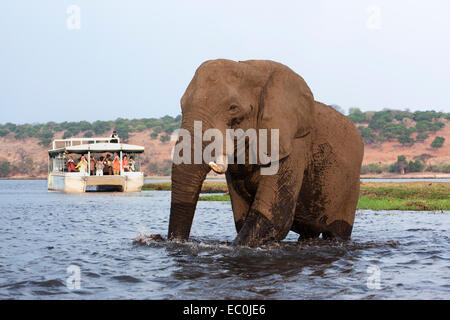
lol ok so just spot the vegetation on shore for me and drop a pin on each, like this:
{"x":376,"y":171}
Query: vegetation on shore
{"x":426,"y":196}
{"x":376,"y":127}
{"x":45,"y":132}
{"x":390,"y":125}
{"x":402,"y":166}
{"x":208,"y":186}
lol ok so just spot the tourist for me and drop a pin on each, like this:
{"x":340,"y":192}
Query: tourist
{"x":82,"y":165}
{"x":99,"y":167}
{"x":92,"y":168}
{"x":131,"y":164}
{"x":125,"y":163}
{"x":71,"y":165}
{"x":107,"y":170}
{"x":116,"y":166}
{"x":114,"y":137}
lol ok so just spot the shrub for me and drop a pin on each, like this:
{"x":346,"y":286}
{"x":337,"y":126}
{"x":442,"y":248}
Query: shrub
{"x":400,"y":115}
{"x":88,"y":134}
{"x":443,"y":167}
{"x":374,"y":168}
{"x":426,"y":115}
{"x":415,"y":166}
{"x":422,"y":136}
{"x":3,"y":132}
{"x":100,"y":127}
{"x":141,"y":127}
{"x":45,"y":142}
{"x":157,"y":129}
{"x":405,"y":140}
{"x":154,"y":135}
{"x":438,"y":142}
{"x":164,"y":138}
{"x":5,"y":168}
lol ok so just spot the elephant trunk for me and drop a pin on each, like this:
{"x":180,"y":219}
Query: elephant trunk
{"x":187,"y":181}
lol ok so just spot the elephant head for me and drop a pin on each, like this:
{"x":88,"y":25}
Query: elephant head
{"x":225,"y":94}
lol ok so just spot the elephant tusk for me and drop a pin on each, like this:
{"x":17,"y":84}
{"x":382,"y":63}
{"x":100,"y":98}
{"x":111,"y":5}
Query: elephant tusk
{"x":221,"y":164}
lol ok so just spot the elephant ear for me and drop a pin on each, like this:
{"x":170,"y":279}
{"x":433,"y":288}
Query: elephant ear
{"x":287,"y":104}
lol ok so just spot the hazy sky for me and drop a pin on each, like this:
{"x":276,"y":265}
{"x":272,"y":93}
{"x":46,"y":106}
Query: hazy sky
{"x":134,"y":59}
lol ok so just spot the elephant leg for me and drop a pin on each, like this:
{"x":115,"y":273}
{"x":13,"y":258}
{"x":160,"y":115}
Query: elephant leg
{"x":240,"y":199}
{"x":328,"y":199}
{"x":272,"y":211}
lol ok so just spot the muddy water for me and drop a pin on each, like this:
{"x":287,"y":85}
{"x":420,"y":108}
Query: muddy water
{"x":393,"y":254}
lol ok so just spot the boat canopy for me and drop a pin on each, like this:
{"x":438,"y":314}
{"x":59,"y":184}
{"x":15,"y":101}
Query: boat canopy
{"x":96,"y":146}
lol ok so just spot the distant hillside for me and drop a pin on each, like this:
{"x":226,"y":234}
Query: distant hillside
{"x":395,"y":141}
{"x":401,"y":141}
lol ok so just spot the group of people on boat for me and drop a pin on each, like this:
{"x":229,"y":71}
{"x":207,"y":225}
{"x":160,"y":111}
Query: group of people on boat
{"x":104,"y":165}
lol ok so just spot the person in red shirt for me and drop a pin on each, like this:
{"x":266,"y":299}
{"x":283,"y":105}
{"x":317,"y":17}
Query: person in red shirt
{"x":71,"y":165}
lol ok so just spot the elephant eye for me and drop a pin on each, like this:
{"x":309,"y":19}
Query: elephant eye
{"x":233,"y":109}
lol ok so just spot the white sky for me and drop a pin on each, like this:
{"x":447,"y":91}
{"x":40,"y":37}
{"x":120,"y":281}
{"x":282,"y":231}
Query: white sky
{"x":134,"y":59}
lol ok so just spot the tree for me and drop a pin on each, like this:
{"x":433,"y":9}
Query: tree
{"x":5,"y":168}
{"x":416,"y":166}
{"x":356,"y":115}
{"x":380,"y":119}
{"x":367,"y":135}
{"x":401,"y":164}
{"x":3,"y":132}
{"x":438,"y":142}
{"x":394,"y":130}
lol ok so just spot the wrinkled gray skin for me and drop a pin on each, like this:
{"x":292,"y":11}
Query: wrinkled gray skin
{"x":317,"y":185}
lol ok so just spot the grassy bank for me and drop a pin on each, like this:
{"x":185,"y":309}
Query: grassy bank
{"x":374,"y":195}
{"x":208,"y":186}
{"x":405,"y":196}
{"x":393,"y":196}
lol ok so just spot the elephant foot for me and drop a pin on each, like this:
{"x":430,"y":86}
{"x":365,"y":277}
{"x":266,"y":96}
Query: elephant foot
{"x":256,"y":230}
{"x":157,"y":237}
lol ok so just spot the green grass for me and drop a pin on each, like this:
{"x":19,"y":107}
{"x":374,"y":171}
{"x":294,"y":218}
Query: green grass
{"x":208,"y":186}
{"x":426,"y":196}
{"x":215,"y":197}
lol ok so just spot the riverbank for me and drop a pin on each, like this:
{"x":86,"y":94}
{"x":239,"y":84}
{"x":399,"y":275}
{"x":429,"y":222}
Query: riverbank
{"x":411,"y":175}
{"x":424,"y":196}
{"x":208,"y":186}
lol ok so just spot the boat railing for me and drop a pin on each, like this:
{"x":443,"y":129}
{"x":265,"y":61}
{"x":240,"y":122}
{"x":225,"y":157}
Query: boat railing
{"x":70,"y":142}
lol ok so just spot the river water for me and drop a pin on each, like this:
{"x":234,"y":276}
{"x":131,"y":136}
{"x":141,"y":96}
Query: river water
{"x":47,"y":237}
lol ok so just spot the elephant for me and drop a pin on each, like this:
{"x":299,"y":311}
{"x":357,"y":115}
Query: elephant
{"x":316,"y":188}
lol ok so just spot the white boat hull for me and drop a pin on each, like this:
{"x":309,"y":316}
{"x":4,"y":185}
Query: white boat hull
{"x":75,"y":182}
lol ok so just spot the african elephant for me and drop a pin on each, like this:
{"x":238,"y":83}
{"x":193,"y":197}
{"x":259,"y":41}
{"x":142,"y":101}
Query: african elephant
{"x":316,"y":188}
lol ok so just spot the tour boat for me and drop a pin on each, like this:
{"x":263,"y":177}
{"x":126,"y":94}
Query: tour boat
{"x":127,"y":179}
